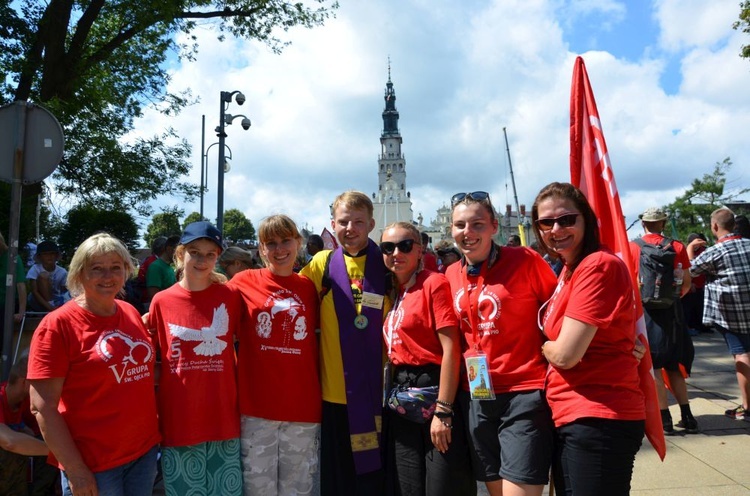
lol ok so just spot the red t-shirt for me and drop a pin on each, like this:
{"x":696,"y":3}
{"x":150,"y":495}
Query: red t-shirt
{"x":413,"y":322}
{"x":429,"y":261}
{"x":107,"y":400}
{"x":514,"y":288}
{"x":605,"y":383}
{"x":19,"y":418}
{"x":198,"y":384}
{"x":278,"y":359}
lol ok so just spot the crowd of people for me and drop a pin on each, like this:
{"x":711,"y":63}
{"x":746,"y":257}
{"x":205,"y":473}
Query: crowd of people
{"x":376,"y":367}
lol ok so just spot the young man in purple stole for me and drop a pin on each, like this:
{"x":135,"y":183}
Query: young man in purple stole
{"x":351,"y":282}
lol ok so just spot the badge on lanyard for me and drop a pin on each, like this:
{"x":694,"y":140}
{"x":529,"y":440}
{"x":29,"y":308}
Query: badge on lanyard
{"x":477,"y":371}
{"x":360,"y":322}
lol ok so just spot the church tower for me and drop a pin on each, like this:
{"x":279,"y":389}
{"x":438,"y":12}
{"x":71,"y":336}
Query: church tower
{"x":392,"y":203}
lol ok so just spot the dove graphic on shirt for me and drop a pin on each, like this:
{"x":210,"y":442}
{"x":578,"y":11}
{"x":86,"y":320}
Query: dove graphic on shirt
{"x":287,"y":304}
{"x":209,"y":337}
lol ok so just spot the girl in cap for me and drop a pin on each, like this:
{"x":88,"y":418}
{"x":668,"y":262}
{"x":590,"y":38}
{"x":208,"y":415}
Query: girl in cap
{"x":280,"y":398}
{"x":196,"y":321}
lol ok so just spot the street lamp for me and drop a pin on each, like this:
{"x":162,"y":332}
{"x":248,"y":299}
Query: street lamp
{"x":225,"y":120}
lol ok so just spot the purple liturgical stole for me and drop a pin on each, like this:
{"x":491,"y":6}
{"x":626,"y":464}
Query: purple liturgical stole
{"x":362,"y":354}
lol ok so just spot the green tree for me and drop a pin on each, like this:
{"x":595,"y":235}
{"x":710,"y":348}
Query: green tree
{"x":744,"y":25}
{"x":83,"y":221}
{"x":237,"y":227}
{"x":192,"y":217}
{"x":96,"y":65}
{"x":691,"y":212}
{"x":166,"y":223}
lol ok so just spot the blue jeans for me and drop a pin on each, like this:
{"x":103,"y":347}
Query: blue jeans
{"x":134,"y":478}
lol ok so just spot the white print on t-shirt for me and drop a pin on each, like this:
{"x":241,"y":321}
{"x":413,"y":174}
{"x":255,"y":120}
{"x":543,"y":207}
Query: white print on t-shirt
{"x":285,"y":305}
{"x":131,"y":356}
{"x":392,"y":325}
{"x":489,"y":310}
{"x":300,"y":329}
{"x":209,"y":337}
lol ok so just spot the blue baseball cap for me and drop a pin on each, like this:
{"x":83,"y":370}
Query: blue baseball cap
{"x":202,"y":229}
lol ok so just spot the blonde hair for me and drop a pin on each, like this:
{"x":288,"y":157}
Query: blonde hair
{"x":179,"y":264}
{"x":95,"y":246}
{"x":355,"y":200}
{"x":416,"y":234}
{"x":278,"y":225}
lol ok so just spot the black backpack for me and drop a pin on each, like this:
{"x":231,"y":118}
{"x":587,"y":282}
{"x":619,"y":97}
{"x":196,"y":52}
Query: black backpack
{"x":656,"y":274}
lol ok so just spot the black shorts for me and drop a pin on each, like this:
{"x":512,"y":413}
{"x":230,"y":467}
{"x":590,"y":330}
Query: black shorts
{"x":512,"y":436}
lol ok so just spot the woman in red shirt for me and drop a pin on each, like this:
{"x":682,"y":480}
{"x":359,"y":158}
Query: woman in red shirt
{"x":279,"y":386}
{"x":421,"y":336}
{"x":497,"y":292}
{"x":592,"y":383}
{"x":91,"y":370}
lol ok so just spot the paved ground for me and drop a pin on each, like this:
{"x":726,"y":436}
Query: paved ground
{"x":715,"y":461}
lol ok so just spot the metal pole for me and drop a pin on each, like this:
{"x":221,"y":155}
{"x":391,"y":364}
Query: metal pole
{"x":15,"y":221}
{"x":512,"y":179}
{"x":203,"y":158}
{"x":220,"y":189}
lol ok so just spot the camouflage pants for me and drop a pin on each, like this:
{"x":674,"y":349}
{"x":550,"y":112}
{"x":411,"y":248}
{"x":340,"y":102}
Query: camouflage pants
{"x":278,"y":458}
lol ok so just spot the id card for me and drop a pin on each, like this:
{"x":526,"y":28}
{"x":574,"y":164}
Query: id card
{"x":372,"y":300}
{"x":477,"y":371}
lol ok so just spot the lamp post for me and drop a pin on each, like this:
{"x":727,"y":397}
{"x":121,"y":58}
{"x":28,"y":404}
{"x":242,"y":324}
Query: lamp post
{"x":226,"y":119}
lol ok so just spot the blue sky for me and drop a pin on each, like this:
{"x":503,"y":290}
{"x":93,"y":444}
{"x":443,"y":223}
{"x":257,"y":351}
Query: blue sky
{"x":670,"y":87}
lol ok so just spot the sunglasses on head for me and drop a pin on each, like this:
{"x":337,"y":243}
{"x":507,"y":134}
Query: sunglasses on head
{"x":404,"y":246}
{"x":566,"y":220}
{"x":476,"y":196}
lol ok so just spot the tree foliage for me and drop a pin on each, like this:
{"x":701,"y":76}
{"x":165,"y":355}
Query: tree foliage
{"x":96,"y":65}
{"x":691,"y":212}
{"x":744,"y":24}
{"x":83,"y":221}
{"x":166,"y":223}
{"x":192,"y":217}
{"x":237,"y":227}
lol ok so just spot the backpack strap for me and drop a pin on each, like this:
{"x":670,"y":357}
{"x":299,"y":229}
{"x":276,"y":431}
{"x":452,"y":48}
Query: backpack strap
{"x":325,"y":281}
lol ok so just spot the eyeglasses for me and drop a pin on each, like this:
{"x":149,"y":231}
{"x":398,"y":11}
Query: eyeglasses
{"x":566,"y":220}
{"x":476,"y":196}
{"x":404,"y":246}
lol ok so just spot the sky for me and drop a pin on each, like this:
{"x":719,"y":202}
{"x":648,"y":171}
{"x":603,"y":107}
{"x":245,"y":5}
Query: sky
{"x":671,"y":90}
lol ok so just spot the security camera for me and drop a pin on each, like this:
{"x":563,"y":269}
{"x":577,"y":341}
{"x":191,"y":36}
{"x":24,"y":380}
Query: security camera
{"x":240,"y":98}
{"x":246,"y":124}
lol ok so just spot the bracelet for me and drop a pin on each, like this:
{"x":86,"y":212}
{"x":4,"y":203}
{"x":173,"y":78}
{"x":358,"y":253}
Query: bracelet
{"x":442,"y":415}
{"x":445,"y":404}
{"x":449,"y":426}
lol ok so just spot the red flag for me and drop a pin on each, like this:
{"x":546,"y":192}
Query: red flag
{"x":329,"y":240}
{"x":591,"y":172}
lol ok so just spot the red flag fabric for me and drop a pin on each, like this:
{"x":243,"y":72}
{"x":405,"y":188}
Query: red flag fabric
{"x":329,"y":240}
{"x":591,"y":172}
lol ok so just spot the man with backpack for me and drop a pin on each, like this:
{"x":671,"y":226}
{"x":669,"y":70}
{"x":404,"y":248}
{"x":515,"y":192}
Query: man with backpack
{"x":663,"y":278}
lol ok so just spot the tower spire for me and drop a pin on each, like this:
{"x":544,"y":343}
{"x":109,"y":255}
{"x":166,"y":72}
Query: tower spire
{"x":390,"y":114}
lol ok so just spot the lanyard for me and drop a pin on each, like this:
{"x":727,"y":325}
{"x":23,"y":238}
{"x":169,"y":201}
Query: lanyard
{"x":472,"y":300}
{"x":394,"y":310}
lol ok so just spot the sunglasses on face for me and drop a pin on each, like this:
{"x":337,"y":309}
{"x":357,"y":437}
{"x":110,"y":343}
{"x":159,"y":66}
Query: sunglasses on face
{"x":404,"y":246}
{"x":566,"y":220}
{"x":476,"y":196}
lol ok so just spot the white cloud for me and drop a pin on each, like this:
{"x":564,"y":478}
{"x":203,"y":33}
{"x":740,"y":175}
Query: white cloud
{"x":461,"y":73}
